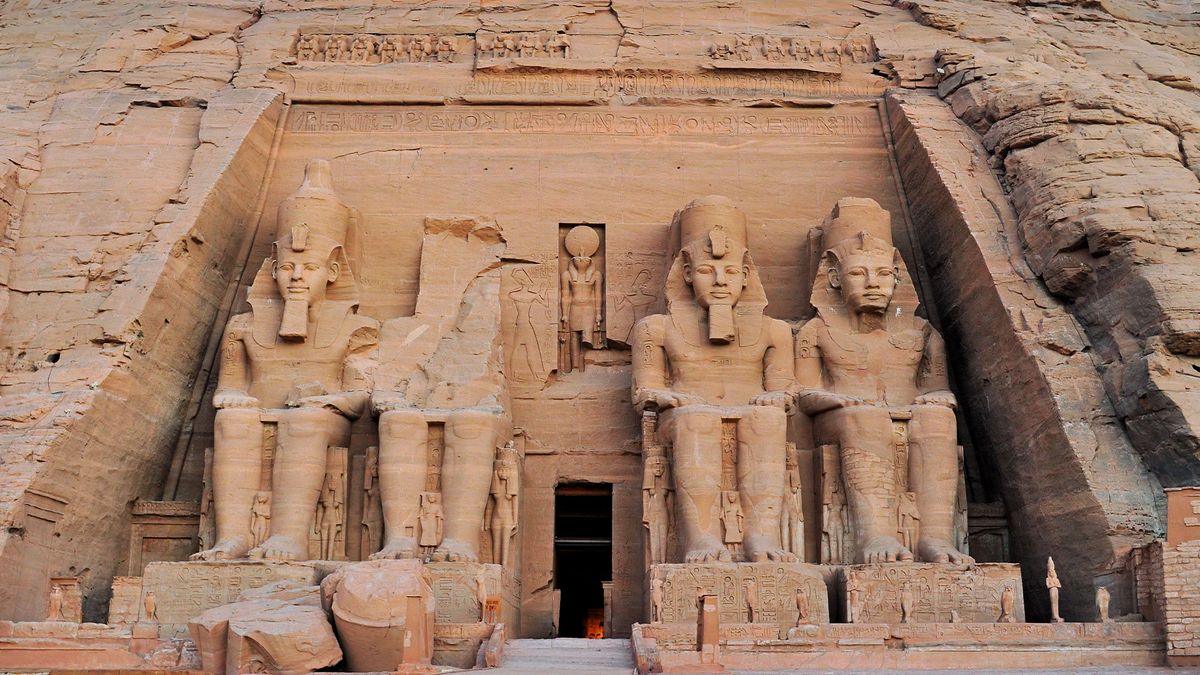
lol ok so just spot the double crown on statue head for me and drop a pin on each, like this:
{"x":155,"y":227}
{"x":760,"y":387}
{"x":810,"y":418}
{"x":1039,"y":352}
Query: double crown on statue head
{"x":715,"y":223}
{"x":857,"y":218}
{"x":313,"y":217}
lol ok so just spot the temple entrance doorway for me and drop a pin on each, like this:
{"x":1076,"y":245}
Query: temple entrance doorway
{"x":582,"y":556}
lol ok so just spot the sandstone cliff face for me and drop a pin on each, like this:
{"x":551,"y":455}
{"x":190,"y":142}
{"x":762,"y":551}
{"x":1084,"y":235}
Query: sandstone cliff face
{"x":1049,"y":152}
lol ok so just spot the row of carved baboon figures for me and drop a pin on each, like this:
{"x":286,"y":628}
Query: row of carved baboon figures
{"x":775,"y":48}
{"x":370,"y":48}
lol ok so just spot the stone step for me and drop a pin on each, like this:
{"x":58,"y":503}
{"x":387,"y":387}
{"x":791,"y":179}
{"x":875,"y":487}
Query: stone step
{"x":577,"y":655}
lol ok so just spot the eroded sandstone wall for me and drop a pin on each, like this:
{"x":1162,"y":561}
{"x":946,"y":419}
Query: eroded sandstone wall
{"x":1048,"y":152}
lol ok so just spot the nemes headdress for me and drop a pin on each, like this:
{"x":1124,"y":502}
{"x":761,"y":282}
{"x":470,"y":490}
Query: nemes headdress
{"x":714,"y":224}
{"x":313,"y":218}
{"x":859,"y":224}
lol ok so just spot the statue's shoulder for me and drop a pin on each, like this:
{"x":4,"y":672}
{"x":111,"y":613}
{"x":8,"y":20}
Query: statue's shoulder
{"x":239,"y":325}
{"x":653,"y":327}
{"x":812,"y":327}
{"x":777,"y":328}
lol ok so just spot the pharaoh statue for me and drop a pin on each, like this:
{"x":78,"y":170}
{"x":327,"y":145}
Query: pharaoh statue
{"x":716,"y":369}
{"x":292,"y":360}
{"x":865,"y":362}
{"x":582,"y":299}
{"x":442,"y":398}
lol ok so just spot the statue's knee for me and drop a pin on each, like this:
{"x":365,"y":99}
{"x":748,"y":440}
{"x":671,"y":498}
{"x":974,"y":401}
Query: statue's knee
{"x":933,"y":419}
{"x":402,"y":424}
{"x":236,"y":424}
{"x":865,"y":420}
{"x":766,"y":420}
{"x":308,"y":422}
{"x":468,"y":425}
{"x":697,"y":422}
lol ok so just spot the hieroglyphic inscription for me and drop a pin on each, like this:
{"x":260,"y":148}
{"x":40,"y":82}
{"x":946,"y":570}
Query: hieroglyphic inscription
{"x":455,"y":589}
{"x":318,"y":120}
{"x":775,"y":584}
{"x":184,"y":590}
{"x":605,"y":84}
{"x":973,"y":592}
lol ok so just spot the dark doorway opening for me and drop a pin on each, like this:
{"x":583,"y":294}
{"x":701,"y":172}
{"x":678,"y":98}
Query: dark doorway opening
{"x":582,"y":556}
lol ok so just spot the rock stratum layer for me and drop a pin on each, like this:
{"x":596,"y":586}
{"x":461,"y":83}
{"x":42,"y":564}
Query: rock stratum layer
{"x":1049,"y":155}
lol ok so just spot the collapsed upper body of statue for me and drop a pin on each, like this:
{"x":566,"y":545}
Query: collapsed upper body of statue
{"x":865,"y":361}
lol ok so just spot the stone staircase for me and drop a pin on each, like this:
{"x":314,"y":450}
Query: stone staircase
{"x":577,"y":656}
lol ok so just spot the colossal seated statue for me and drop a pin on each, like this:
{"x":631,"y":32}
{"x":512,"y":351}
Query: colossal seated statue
{"x":716,"y":371}
{"x":865,"y":364}
{"x":291,"y":361}
{"x":442,"y":400}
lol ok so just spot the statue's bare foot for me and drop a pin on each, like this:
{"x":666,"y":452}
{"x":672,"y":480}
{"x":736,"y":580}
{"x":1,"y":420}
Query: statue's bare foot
{"x":452,"y":550}
{"x":279,"y":547}
{"x":883,"y":549}
{"x":940,"y":551}
{"x":226,"y":549}
{"x":404,"y":547}
{"x":761,"y":549}
{"x":708,"y":550}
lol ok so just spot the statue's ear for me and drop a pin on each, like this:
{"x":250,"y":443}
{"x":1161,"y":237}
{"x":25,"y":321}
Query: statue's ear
{"x":687,"y":267}
{"x":274,"y":261}
{"x":831,"y":267}
{"x":334,"y":264}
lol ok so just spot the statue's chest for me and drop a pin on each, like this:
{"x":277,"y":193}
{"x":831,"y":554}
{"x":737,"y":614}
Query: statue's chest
{"x":713,"y":357}
{"x":874,"y":351}
{"x":301,"y":358}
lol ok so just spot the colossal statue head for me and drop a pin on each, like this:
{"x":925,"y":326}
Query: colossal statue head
{"x":860,"y":271}
{"x":308,"y":262}
{"x":712,"y":234}
{"x":862,"y":263}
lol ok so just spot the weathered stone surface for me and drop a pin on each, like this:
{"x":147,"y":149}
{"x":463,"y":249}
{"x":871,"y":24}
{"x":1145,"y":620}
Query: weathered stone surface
{"x":286,"y":634}
{"x":1046,"y":156}
{"x":186,"y":589}
{"x":384,"y":613}
{"x":774,"y":595}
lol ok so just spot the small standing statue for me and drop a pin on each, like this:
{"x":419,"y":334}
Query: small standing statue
{"x":954,"y":617}
{"x":657,"y":507}
{"x":656,"y":600}
{"x":500,"y":515}
{"x":55,"y":610}
{"x":150,"y":607}
{"x":431,"y":519}
{"x":751,"y":592}
{"x":909,"y":520}
{"x":1007,"y":601}
{"x":793,"y":504}
{"x":1102,"y":599}
{"x":582,"y":299}
{"x":854,"y":591}
{"x":330,"y":516}
{"x":1053,"y":584}
{"x":481,"y":593}
{"x":732,"y":516}
{"x":802,"y":606}
{"x":906,"y":604}
{"x":260,"y":517}
{"x":372,"y":518}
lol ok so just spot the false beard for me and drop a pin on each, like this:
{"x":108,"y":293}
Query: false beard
{"x":720,"y":324}
{"x":294,"y":325}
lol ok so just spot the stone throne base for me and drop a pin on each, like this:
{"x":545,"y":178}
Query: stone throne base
{"x":934,"y":591}
{"x":775,"y":584}
{"x":183,"y":590}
